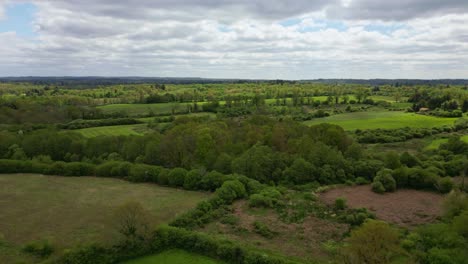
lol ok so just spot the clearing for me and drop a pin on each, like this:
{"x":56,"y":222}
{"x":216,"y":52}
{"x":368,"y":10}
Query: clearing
{"x":404,"y":207}
{"x":77,"y":210}
{"x":383,"y":119}
{"x":301,"y":241}
{"x":174,"y":256}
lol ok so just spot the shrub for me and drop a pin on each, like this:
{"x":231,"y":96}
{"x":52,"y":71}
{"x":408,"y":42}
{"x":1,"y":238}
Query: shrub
{"x":211,"y":181}
{"x":361,"y":181}
{"x":113,"y":169}
{"x":445,"y":184}
{"x":40,"y":249}
{"x":263,"y":230}
{"x":143,"y":173}
{"x":385,"y":177}
{"x":268,"y":197}
{"x":340,"y":203}
{"x":231,"y":190}
{"x":177,"y":177}
{"x":378,"y":187}
{"x":192,"y":180}
{"x":163,"y":177}
{"x":87,"y":255}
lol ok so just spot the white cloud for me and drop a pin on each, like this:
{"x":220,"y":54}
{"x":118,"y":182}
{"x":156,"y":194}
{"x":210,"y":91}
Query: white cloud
{"x":218,"y":39}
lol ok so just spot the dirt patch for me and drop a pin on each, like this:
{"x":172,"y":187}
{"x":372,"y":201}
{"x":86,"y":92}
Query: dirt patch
{"x":300,"y":240}
{"x":404,"y":207}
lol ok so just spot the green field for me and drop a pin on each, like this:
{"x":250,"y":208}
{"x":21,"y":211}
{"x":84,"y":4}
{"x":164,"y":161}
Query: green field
{"x":69,"y":211}
{"x":437,"y":142}
{"x":382,"y":119}
{"x":201,"y":114}
{"x":174,"y":257}
{"x":122,"y":130}
{"x":141,"y":109}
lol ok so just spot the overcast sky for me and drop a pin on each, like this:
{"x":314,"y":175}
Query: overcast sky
{"x":295,"y":39}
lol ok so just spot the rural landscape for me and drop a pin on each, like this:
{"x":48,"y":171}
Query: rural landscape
{"x":233,"y":132}
{"x":122,"y":170}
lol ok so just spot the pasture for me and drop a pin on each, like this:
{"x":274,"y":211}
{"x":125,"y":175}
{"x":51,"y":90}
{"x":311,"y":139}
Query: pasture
{"x":144,"y":109}
{"x":68,"y":211}
{"x":382,"y":119}
{"x":122,"y":130}
{"x":437,"y":142}
{"x":174,"y":256}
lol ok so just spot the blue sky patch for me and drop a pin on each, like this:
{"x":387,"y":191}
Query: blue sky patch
{"x":19,"y":19}
{"x":384,"y":29}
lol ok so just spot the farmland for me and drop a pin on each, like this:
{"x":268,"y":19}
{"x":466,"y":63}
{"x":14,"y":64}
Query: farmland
{"x":383,"y":120}
{"x":123,"y":130}
{"x":69,"y":211}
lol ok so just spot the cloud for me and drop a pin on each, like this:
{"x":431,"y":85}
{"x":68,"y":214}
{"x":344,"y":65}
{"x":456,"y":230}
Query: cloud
{"x":397,"y":9}
{"x":242,"y":40}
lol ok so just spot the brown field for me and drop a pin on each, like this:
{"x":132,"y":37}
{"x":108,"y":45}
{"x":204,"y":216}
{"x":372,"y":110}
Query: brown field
{"x":302,"y":241}
{"x":404,"y":207}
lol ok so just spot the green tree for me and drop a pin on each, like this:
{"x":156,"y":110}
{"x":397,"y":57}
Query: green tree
{"x":375,"y":242}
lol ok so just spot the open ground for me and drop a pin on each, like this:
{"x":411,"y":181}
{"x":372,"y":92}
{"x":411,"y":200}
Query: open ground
{"x":404,"y":207}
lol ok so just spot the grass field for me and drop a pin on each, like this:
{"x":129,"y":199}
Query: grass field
{"x":76,"y":210}
{"x":141,"y":109}
{"x":174,"y":257}
{"x":200,"y":114}
{"x":382,"y":119}
{"x":437,"y":142}
{"x":123,"y":130}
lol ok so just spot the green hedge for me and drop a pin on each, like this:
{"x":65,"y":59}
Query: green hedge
{"x":167,"y":237}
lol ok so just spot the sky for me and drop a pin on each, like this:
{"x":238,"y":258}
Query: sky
{"x":252,"y":39}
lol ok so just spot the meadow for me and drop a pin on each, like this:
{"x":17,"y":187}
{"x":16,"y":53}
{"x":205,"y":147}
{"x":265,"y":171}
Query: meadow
{"x":174,"y":257}
{"x":122,"y":130}
{"x":69,"y":211}
{"x":144,"y":109}
{"x":382,"y":119}
{"x":437,"y":142}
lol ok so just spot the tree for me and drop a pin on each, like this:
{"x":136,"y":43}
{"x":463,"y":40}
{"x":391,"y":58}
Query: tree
{"x":375,"y":242}
{"x":361,"y":94}
{"x":133,"y":222}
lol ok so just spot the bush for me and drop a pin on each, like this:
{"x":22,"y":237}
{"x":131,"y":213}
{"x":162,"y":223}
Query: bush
{"x":231,"y":190}
{"x":361,"y":181}
{"x":340,"y":204}
{"x":163,"y":177}
{"x":87,"y":255}
{"x":143,"y":173}
{"x":192,"y":180}
{"x":177,"y":177}
{"x":40,"y":249}
{"x":385,"y":178}
{"x":445,"y":184}
{"x":378,"y":187}
{"x":268,"y":197}
{"x":113,"y":169}
{"x":263,"y":230}
{"x":212,"y":180}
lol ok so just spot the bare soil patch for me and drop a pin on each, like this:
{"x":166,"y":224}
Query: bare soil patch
{"x":404,"y":207}
{"x":299,"y":240}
